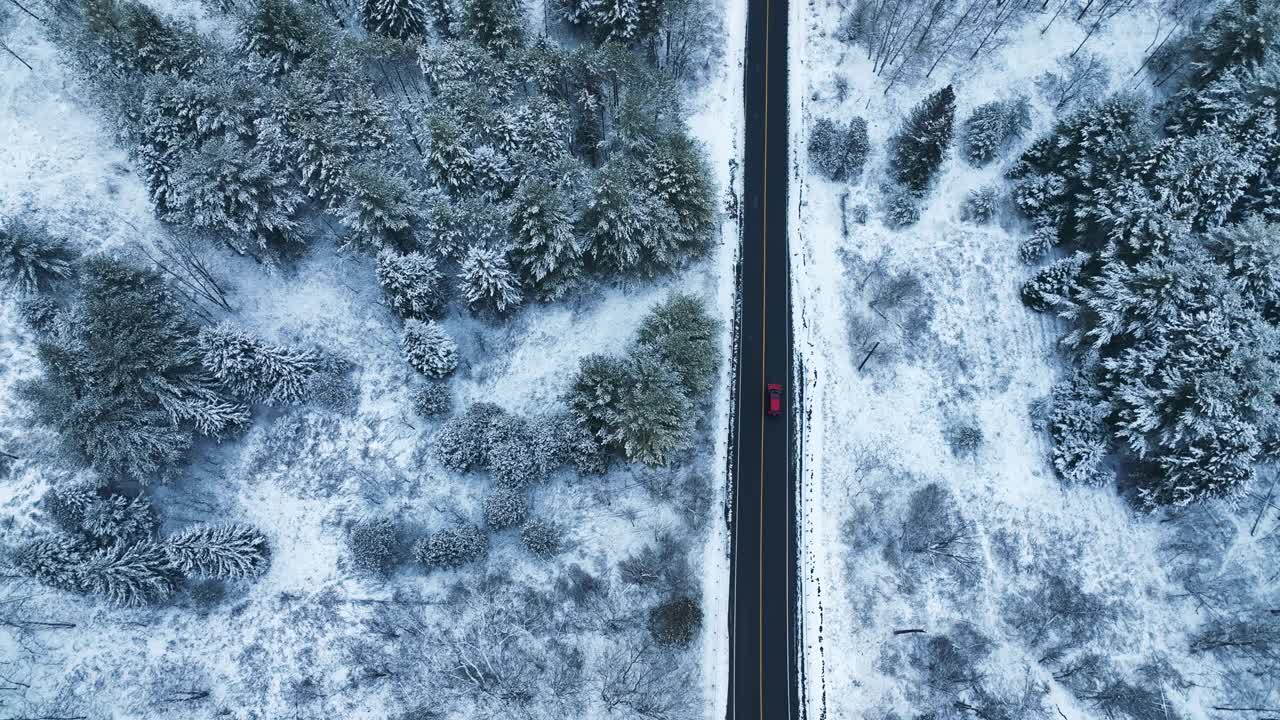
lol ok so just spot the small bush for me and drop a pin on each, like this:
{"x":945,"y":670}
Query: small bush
{"x":981,"y":205}
{"x":901,"y":208}
{"x":452,"y":547}
{"x":506,"y":507}
{"x":374,"y":545}
{"x":432,"y":398}
{"x":542,"y":538}
{"x":676,"y":621}
{"x":936,"y":531}
{"x":429,"y":349}
{"x":964,"y":438}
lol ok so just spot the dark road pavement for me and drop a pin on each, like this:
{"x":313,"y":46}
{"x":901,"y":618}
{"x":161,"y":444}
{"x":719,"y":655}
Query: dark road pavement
{"x":762,"y":664}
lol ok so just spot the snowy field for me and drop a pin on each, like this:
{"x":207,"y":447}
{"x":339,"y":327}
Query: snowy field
{"x":304,"y":640}
{"x":873,"y":438}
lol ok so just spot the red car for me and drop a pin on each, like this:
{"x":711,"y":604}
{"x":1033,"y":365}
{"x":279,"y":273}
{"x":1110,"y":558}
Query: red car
{"x":775,"y":399}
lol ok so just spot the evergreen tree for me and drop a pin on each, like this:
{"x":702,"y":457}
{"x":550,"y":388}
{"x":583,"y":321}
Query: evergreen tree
{"x":452,"y":547}
{"x":449,"y":152}
{"x":498,"y":25}
{"x":992,"y":126}
{"x":68,"y":504}
{"x":542,"y":538}
{"x":31,"y":259}
{"x":839,"y":151}
{"x":487,"y":282}
{"x":619,"y":218}
{"x":253,"y":369}
{"x":653,"y":418}
{"x":233,"y":188}
{"x":921,"y":145}
{"x":1238,"y":35}
{"x":130,"y":575}
{"x":682,"y":181}
{"x":464,"y":443}
{"x":546,"y":252}
{"x":1251,"y":254}
{"x":284,"y":34}
{"x":596,"y":391}
{"x":536,"y":135}
{"x":1054,"y":285}
{"x":1077,"y":422}
{"x":219,"y":551}
{"x":54,"y":561}
{"x":685,"y":336}
{"x":432,"y":399}
{"x":395,"y":18}
{"x":506,"y":507}
{"x":624,"y":21}
{"x":122,"y":40}
{"x":429,"y":349}
{"x":411,"y":283}
{"x":116,"y":519}
{"x":380,"y":208}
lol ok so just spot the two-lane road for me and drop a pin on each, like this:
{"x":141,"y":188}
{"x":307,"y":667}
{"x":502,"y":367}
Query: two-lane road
{"x":762,"y":682}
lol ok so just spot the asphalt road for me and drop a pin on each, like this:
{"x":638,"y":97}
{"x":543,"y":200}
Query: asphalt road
{"x":763,"y":669}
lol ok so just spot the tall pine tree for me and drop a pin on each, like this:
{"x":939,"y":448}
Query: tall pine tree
{"x":922,"y":143}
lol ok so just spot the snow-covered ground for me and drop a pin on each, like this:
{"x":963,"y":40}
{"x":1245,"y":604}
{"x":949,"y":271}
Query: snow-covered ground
{"x":282,"y":645}
{"x":871,"y":438}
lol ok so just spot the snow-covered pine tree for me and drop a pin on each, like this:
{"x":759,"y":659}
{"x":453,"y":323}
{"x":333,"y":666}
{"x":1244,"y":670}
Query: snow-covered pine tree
{"x":380,"y":208}
{"x":1239,"y":35}
{"x":233,"y":188}
{"x":597,"y":390}
{"x":452,"y":547}
{"x":67,"y":504}
{"x":429,"y":349}
{"x":498,"y":25}
{"x":443,"y":15}
{"x":54,"y":561}
{"x":122,"y":40}
{"x":653,"y":418}
{"x":463,"y":444}
{"x":395,"y":18}
{"x":310,"y":134}
{"x":506,"y":507}
{"x":839,"y":151}
{"x":411,"y":283}
{"x":30,"y":258}
{"x":546,"y":251}
{"x":681,"y":332}
{"x":487,"y":282}
{"x":1054,"y":285}
{"x":517,"y":454}
{"x":1251,"y":253}
{"x":130,"y":575}
{"x":623,"y":21}
{"x":284,"y":34}
{"x":116,"y":519}
{"x":682,"y":181}
{"x":981,"y":204}
{"x":449,"y":150}
{"x":992,"y":126}
{"x":536,"y":135}
{"x":922,"y":143}
{"x":1077,"y":423}
{"x":219,"y":551}
{"x":618,"y":218}
{"x":254,"y":369}
{"x":432,"y":398}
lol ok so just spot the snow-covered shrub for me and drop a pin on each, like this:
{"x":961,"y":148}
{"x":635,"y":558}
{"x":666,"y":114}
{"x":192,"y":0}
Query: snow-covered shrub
{"x":331,"y":387}
{"x":219,"y":551}
{"x":662,"y":565}
{"x":935,"y":530}
{"x":837,"y":150}
{"x":374,"y":545}
{"x":410,"y":282}
{"x":675,"y":621}
{"x":1058,"y":616}
{"x":992,"y":127}
{"x":1042,"y":240}
{"x":981,"y":204}
{"x":901,"y":208}
{"x":31,"y":259}
{"x":542,"y":538}
{"x":859,"y":213}
{"x":506,"y":507}
{"x":518,"y":455}
{"x":580,"y":447}
{"x":923,"y":141}
{"x":964,"y":438}
{"x":432,"y":398}
{"x":1053,"y":284}
{"x":452,"y":547}
{"x":950,"y":662}
{"x":463,"y":444}
{"x":429,"y":349}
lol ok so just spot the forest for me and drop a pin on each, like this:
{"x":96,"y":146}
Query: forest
{"x":475,"y":164}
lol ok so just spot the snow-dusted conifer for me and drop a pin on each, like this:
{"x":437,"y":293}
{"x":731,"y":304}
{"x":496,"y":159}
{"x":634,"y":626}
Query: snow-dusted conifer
{"x":546,"y":251}
{"x":130,"y":575}
{"x":254,"y":369}
{"x":619,"y":217}
{"x":1250,"y":251}
{"x":487,"y":282}
{"x":374,"y":545}
{"x":32,"y":259}
{"x":1053,"y":285}
{"x":653,"y":418}
{"x":498,"y":25}
{"x":116,"y":519}
{"x":429,"y":349}
{"x":411,"y":283}
{"x":921,"y":145}
{"x":395,"y":18}
{"x":624,"y":21}
{"x":380,"y":208}
{"x":432,"y":398}
{"x":54,"y":561}
{"x":681,"y":332}
{"x":992,"y":126}
{"x":219,"y":551}
{"x":449,"y":151}
{"x":542,"y":538}
{"x":285,"y":34}
{"x":1077,"y":422}
{"x":682,"y":181}
{"x":464,"y":443}
{"x":837,"y":150}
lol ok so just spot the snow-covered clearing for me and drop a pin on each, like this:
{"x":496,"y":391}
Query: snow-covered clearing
{"x":872,"y":438}
{"x":282,"y":646}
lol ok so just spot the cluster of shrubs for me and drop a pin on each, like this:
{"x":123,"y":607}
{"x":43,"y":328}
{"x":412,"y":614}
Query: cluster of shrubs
{"x":377,"y":547}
